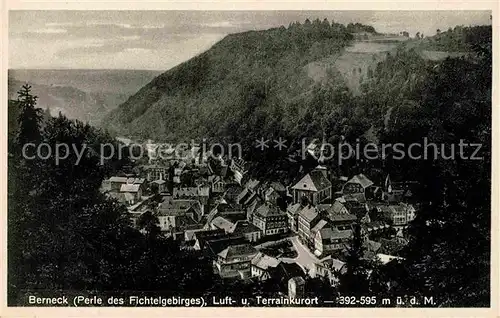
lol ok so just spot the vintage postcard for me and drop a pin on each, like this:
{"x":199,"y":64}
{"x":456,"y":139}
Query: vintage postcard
{"x":322,"y":161}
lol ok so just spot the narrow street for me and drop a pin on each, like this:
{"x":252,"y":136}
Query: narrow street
{"x":305,"y":258}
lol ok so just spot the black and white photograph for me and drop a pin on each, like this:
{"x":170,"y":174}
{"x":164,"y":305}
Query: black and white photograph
{"x":249,"y":158}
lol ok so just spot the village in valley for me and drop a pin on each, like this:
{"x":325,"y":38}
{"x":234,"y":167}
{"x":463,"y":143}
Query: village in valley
{"x":249,"y":158}
{"x":255,"y":229}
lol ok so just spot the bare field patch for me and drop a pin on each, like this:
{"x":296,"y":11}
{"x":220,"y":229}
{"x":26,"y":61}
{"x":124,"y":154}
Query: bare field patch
{"x":439,"y":55}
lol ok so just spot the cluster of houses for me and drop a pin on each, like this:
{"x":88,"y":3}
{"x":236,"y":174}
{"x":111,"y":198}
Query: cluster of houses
{"x":211,"y":205}
{"x":325,"y":224}
{"x":126,"y":188}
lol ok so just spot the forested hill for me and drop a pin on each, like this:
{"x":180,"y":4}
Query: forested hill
{"x":309,"y":79}
{"x":236,"y":76}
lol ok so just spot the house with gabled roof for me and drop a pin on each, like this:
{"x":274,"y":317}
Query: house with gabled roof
{"x":308,"y":217}
{"x":328,"y":239}
{"x":252,"y":186}
{"x":247,"y":230}
{"x":342,"y":207}
{"x":132,"y":192}
{"x":402,"y":191}
{"x":226,"y":219}
{"x":231,"y":192}
{"x":200,"y":193}
{"x":243,"y":196}
{"x":359,"y":188}
{"x":262,"y":265}
{"x":216,"y":183}
{"x":202,"y":236}
{"x":270,"y":219}
{"x":252,"y":208}
{"x":238,"y":167}
{"x":156,"y":172}
{"x":398,"y":214}
{"x":184,"y":223}
{"x":172,"y":212}
{"x":114,"y":183}
{"x":219,"y":222}
{"x":283,"y":272}
{"x":292,"y":212}
{"x":329,"y":269}
{"x":314,"y":186}
{"x":213,"y":246}
{"x":160,"y":184}
{"x":235,"y":261}
{"x":127,"y":190}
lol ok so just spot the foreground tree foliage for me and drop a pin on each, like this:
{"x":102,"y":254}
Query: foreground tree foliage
{"x":63,"y":234}
{"x":354,"y":282}
{"x":448,"y":256}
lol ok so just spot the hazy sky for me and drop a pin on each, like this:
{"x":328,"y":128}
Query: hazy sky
{"x":162,"y":39}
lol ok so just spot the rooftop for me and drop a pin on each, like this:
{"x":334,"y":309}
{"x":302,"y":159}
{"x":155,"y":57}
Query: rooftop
{"x":218,"y":244}
{"x":309,"y":213}
{"x":313,"y":181}
{"x":243,"y":227}
{"x":278,"y":186}
{"x":136,"y":180}
{"x":118,"y":179}
{"x":294,"y":208}
{"x":222,"y":223}
{"x":233,"y":189}
{"x":204,"y":234}
{"x":360,"y":197}
{"x":234,"y":216}
{"x":270,"y":191}
{"x":372,"y":246}
{"x":243,"y":195}
{"x":384,"y":258}
{"x":332,"y":263}
{"x":252,"y":184}
{"x":341,"y":217}
{"x":329,"y":233}
{"x":251,"y":208}
{"x":268,"y":210}
{"x":249,"y":199}
{"x":238,"y":250}
{"x":126,"y":187}
{"x":356,"y":208}
{"x":184,"y":222}
{"x":321,"y":224}
{"x":178,"y":207}
{"x":289,"y":270}
{"x":362,"y":180}
{"x":264,"y":261}
{"x":185,"y":192}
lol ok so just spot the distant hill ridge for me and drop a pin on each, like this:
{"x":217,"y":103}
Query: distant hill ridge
{"x":86,"y":95}
{"x":88,"y":80}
